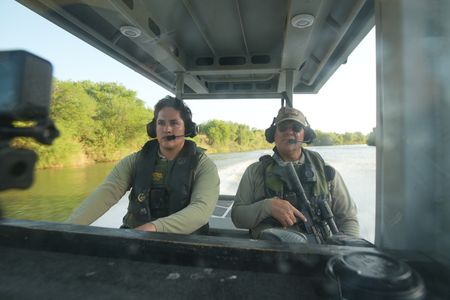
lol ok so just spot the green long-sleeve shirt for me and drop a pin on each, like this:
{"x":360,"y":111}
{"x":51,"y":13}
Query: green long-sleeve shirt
{"x":249,"y":210}
{"x":205,"y":192}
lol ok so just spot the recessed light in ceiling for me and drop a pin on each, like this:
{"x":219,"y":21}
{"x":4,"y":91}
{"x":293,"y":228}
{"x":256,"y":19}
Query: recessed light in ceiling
{"x":302,"y":21}
{"x":130,"y":31}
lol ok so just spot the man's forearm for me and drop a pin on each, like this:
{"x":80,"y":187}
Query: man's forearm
{"x":250,"y":215}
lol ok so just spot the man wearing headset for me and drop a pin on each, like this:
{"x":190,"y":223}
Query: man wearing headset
{"x":174,"y":185}
{"x":261,"y":199}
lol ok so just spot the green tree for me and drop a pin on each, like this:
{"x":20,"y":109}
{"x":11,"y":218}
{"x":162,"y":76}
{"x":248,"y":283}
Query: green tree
{"x":121,"y":118}
{"x":97,"y":122}
{"x":72,"y":108}
{"x":217,"y":131}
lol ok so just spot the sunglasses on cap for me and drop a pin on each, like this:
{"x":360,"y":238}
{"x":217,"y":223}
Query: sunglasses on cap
{"x":296,"y":127}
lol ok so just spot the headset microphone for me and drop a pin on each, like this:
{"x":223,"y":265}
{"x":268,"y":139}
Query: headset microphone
{"x":172,"y":137}
{"x":292,"y":141}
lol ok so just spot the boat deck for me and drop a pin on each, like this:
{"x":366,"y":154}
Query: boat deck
{"x":30,"y":274}
{"x":42,"y":260}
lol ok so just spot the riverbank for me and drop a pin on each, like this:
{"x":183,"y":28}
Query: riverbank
{"x":81,"y":159}
{"x":103,"y":122}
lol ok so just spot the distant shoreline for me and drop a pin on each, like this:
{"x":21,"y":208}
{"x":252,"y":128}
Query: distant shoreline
{"x":86,"y":162}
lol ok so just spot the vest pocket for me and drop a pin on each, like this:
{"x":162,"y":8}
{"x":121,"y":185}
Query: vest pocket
{"x":159,"y":203}
{"x":138,"y":211}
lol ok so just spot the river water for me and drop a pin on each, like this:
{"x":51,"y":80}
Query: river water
{"x":56,"y":192}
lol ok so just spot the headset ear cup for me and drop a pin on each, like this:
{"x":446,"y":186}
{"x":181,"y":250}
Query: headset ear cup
{"x":191,"y":130}
{"x":310,"y":135}
{"x":151,"y":130}
{"x":270,"y":134}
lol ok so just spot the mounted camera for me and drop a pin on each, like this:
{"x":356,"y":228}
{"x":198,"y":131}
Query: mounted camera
{"x":25,"y":90}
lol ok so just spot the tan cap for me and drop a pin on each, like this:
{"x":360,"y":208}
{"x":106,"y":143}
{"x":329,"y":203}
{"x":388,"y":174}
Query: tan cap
{"x":290,"y":113}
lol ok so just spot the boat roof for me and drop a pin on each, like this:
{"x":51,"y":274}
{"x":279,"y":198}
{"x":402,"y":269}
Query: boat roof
{"x":220,"y":49}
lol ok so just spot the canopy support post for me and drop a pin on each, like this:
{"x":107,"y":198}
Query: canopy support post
{"x":179,"y":88}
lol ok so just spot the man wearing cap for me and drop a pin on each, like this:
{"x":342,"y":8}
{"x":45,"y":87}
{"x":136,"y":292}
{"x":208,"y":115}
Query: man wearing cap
{"x":260,"y":201}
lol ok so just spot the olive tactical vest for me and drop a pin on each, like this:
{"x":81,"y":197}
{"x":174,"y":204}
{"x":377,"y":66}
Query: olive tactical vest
{"x":150,"y":201}
{"x":314,"y":176}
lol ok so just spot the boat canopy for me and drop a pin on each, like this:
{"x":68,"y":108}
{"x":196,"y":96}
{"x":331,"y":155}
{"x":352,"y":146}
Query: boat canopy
{"x":200,"y":49}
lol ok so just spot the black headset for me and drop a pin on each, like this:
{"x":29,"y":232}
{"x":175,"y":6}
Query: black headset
{"x":309,"y":136}
{"x":190,"y":128}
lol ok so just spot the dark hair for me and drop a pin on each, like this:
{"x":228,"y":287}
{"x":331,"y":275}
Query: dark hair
{"x":185,"y":113}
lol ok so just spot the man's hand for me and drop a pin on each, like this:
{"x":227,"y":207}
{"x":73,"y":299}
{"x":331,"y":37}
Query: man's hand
{"x":285,"y":212}
{"x":147,"y":227}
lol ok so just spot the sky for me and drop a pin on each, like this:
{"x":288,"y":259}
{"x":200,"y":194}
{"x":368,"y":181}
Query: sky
{"x":346,"y":103}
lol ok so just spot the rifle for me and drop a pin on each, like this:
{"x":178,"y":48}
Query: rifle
{"x":320,"y":220}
